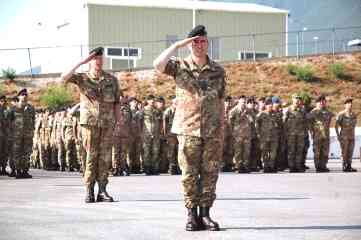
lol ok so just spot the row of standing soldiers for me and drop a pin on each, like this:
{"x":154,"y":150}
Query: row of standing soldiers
{"x":142,"y":142}
{"x":263,"y":135}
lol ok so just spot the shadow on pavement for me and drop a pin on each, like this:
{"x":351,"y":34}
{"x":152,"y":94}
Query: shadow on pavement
{"x":342,"y":227}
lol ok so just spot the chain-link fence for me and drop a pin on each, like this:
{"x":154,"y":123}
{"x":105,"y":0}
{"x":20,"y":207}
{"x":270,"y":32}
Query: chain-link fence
{"x":131,"y":55}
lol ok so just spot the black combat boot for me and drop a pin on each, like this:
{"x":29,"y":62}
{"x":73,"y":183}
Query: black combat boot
{"x":12,"y":173}
{"x":19,"y":174}
{"x":90,"y":198}
{"x":192,"y":220}
{"x":206,"y":222}
{"x":26,"y":174}
{"x":103,"y":196}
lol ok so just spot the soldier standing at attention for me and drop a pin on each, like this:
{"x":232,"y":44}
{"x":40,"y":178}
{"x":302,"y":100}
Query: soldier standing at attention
{"x":295,"y":125}
{"x":135,"y":143}
{"x":11,"y":127}
{"x":99,"y":111}
{"x":172,"y":142}
{"x":345,"y":130}
{"x":198,"y":122}
{"x":3,"y":136}
{"x":24,"y":133}
{"x":320,"y":121}
{"x":228,"y":139}
{"x":163,"y":160}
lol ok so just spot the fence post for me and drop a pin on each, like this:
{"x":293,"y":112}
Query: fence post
{"x":333,"y":41}
{"x":254,"y":47}
{"x":31,"y":68}
{"x":298,"y":44}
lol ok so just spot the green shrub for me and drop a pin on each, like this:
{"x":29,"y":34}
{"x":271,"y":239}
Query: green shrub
{"x":56,"y":97}
{"x":291,"y":69}
{"x":305,"y":73}
{"x":9,"y":73}
{"x":337,"y":70}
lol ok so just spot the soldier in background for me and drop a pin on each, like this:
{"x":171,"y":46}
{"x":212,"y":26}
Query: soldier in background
{"x":11,"y":129}
{"x":23,"y":134}
{"x":3,"y":136}
{"x":320,"y":120}
{"x":228,"y":139}
{"x":150,"y":119}
{"x":281,"y":159}
{"x":255,"y":162}
{"x":35,"y":156}
{"x":68,"y":137}
{"x":54,"y":165}
{"x":172,"y":141}
{"x":121,"y":140}
{"x":199,"y":123}
{"x":295,"y":125}
{"x":268,"y":132}
{"x":59,"y":129}
{"x":346,"y":121}
{"x":135,"y":139}
{"x":163,"y":160}
{"x":242,"y":122}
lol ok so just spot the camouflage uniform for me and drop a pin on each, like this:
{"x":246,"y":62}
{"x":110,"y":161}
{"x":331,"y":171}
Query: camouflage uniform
{"x":150,"y":119}
{"x":10,"y":145}
{"x":23,"y":136}
{"x":69,"y":123}
{"x":36,"y":161}
{"x":121,"y":141}
{"x":53,"y":144}
{"x":346,"y":122}
{"x":60,"y":145}
{"x":199,"y":123}
{"x":281,"y":159}
{"x":3,"y":140}
{"x":295,"y":124}
{"x":98,"y":96}
{"x":172,"y":142}
{"x":228,"y":142}
{"x":135,"y":144}
{"x":243,"y":128}
{"x":320,"y":121}
{"x":267,"y":130}
{"x":256,"y":154}
{"x":45,"y":139}
{"x":163,"y":159}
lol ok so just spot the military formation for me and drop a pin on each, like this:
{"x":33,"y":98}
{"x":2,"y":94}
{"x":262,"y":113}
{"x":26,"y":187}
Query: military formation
{"x":199,"y":134}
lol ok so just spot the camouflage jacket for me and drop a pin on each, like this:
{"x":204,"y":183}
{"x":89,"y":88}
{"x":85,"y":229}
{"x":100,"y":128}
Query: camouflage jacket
{"x":242,"y":123}
{"x":168,"y":118}
{"x":295,"y":121}
{"x":347,"y":123}
{"x":123,"y":129}
{"x":267,"y":126}
{"x":150,"y":120}
{"x":320,"y":121}
{"x":3,"y":120}
{"x":200,"y":98}
{"x":105,"y":90}
{"x":24,"y":120}
{"x":68,"y":127}
{"x":135,"y":125}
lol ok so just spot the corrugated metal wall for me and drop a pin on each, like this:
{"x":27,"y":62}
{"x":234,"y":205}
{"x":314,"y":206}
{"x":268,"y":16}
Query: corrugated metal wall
{"x":141,"y":27}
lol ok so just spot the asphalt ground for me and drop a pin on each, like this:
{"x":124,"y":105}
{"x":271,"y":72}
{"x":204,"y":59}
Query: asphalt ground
{"x":249,"y":206}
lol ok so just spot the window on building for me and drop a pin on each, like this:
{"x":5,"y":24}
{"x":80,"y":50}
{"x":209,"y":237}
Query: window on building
{"x":244,"y":55}
{"x":123,"y":52}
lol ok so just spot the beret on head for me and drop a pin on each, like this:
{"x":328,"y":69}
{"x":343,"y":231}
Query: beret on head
{"x":268,"y":101}
{"x":199,"y":30}
{"x":276,"y":100}
{"x":2,"y":97}
{"x":98,"y":51}
{"x":321,"y":98}
{"x":150,"y":97}
{"x":23,"y":92}
{"x":348,"y":100}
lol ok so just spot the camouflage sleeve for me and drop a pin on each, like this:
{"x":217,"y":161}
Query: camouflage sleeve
{"x":76,"y":78}
{"x":172,"y":67}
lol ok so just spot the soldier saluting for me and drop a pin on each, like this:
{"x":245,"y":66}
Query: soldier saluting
{"x":99,"y":111}
{"x":198,"y":122}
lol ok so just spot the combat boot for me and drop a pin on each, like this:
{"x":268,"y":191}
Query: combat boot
{"x":19,"y":175}
{"x":12,"y":173}
{"x":26,"y":174}
{"x":103,"y":196}
{"x":192,"y":220}
{"x":90,"y":198}
{"x":206,"y":222}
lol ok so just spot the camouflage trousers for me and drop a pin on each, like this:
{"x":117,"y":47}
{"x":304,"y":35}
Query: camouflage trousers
{"x":228,"y":151}
{"x":269,"y":153}
{"x":295,"y":148}
{"x":256,"y":154}
{"x":199,"y":160}
{"x":321,"y":149}
{"x":282,"y":162}
{"x":120,"y":153}
{"x":163,"y":159}
{"x":98,"y":146}
{"x":81,"y":155}
{"x":70,"y":153}
{"x":347,"y":148}
{"x":135,"y":146}
{"x":35,"y":155}
{"x":242,"y":153}
{"x":151,"y":146}
{"x":3,"y":152}
{"x":10,"y":150}
{"x":60,"y":149}
{"x":22,"y":150}
{"x":172,"y":149}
